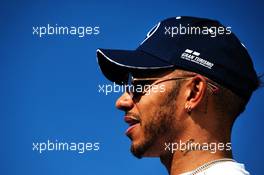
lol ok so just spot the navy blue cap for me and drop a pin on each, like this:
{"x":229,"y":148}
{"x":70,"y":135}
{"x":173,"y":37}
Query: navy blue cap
{"x":199,"y":45}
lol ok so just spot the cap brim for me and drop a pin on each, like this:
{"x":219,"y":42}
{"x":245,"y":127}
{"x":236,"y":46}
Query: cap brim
{"x":115,"y":64}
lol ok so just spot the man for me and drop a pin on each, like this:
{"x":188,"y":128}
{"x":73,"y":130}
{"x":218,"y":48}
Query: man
{"x":186,"y":84}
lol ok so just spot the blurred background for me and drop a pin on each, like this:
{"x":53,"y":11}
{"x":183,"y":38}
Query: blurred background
{"x":49,"y":85}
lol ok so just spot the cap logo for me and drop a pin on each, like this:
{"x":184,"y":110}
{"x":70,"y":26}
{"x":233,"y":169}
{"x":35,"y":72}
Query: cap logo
{"x":193,"y":56}
{"x":151,"y":32}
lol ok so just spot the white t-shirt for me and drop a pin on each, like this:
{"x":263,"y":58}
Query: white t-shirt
{"x":223,"y":168}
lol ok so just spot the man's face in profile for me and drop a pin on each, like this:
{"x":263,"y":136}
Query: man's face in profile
{"x":150,"y":118}
{"x":195,"y":116}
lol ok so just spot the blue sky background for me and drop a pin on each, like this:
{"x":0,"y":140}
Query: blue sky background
{"x":49,"y":85}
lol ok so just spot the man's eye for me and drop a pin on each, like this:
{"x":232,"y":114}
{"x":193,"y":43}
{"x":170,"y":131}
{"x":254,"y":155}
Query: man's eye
{"x":138,"y":90}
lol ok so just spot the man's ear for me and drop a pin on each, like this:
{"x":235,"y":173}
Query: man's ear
{"x":196,"y":91}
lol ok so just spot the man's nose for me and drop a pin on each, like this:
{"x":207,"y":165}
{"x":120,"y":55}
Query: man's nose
{"x":125,"y":102}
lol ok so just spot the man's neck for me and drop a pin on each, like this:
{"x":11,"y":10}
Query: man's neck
{"x":181,"y":162}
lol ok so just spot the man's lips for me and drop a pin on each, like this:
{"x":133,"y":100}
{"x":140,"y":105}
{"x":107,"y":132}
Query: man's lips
{"x":132,"y":121}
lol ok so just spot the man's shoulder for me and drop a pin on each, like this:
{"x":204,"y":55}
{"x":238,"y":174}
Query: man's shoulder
{"x":226,"y":168}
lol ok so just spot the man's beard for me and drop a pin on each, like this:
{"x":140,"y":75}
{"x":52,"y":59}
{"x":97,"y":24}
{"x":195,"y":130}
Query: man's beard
{"x":153,"y":130}
{"x":160,"y":126}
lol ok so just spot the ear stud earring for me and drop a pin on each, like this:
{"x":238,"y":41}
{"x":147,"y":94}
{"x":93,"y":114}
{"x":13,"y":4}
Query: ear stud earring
{"x":188,"y":108}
